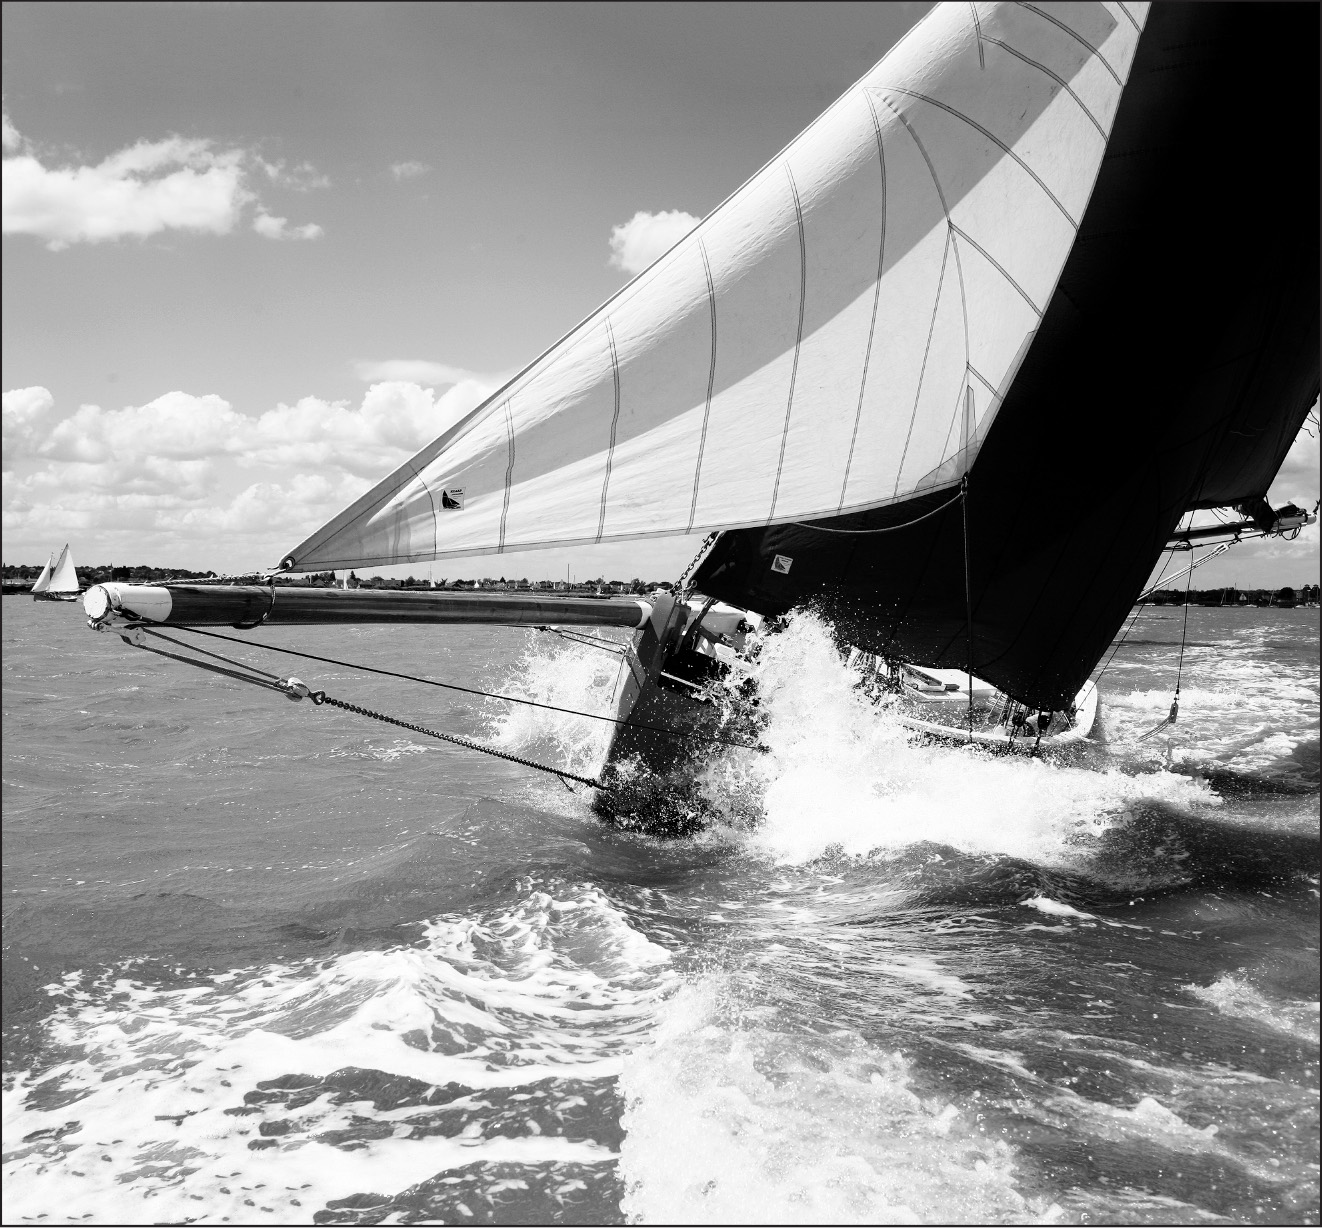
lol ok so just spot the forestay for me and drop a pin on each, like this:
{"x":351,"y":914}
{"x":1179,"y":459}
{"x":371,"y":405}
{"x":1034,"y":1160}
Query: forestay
{"x":836,"y":336}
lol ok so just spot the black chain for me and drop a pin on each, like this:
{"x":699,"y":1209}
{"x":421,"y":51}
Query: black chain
{"x":320,"y":697}
{"x":684,"y":575}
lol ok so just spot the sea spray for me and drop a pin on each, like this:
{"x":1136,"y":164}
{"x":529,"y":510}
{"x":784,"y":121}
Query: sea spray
{"x":844,"y":774}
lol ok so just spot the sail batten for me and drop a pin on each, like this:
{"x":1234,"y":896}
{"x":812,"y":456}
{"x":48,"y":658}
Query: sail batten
{"x":805,"y":351}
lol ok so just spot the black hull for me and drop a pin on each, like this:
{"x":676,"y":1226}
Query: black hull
{"x":1172,"y":370}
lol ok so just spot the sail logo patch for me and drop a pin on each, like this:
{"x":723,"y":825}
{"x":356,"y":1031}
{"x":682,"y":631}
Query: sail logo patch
{"x":782,"y":563}
{"x":452,"y":499}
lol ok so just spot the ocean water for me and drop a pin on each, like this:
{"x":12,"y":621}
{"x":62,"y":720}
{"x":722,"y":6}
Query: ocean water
{"x":272,"y":963}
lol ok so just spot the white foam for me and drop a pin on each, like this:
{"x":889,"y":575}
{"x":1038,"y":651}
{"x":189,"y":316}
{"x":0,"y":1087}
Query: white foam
{"x":1055,"y":908}
{"x":1236,"y":708}
{"x":732,"y":1121}
{"x":568,"y":675}
{"x":558,"y":988}
{"x":1234,"y":996}
{"x":843,"y":774}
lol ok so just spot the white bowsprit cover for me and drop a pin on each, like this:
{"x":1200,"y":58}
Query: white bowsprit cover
{"x":835,"y":336}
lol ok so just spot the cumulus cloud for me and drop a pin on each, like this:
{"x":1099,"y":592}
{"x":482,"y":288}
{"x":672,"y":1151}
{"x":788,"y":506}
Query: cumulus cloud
{"x":302,"y":177}
{"x":23,"y":411}
{"x":12,"y":140}
{"x":191,"y":472}
{"x":270,"y":227}
{"x":416,"y":371}
{"x":1301,"y":473}
{"x":408,"y":170}
{"x":178,"y":183}
{"x":394,"y":420}
{"x":176,"y":425}
{"x":646,"y":237}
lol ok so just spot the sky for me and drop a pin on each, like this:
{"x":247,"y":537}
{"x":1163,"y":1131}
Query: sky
{"x":257,"y":255}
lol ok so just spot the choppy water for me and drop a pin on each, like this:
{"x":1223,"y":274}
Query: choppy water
{"x":272,"y":963}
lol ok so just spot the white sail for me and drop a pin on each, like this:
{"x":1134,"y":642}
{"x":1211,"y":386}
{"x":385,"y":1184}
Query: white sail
{"x":43,"y":580}
{"x":836,"y":336}
{"x":64,"y":579}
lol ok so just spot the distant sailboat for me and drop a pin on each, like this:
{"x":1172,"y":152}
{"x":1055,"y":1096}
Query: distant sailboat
{"x":61,"y":581}
{"x":43,"y":580}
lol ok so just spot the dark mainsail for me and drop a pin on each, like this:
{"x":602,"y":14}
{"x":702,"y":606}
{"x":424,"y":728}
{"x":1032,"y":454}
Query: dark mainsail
{"x":1172,"y":369}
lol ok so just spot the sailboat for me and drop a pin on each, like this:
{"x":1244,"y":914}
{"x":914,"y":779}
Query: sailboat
{"x":42,"y":582}
{"x":950,"y":368}
{"x":58,"y":583}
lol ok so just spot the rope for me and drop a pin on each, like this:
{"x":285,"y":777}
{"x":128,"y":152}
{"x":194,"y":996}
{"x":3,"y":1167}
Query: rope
{"x":591,"y":641}
{"x":968,"y":594}
{"x":890,"y":528}
{"x":1174,"y":713}
{"x":1133,"y":621}
{"x":215,"y":669}
{"x":449,"y":686}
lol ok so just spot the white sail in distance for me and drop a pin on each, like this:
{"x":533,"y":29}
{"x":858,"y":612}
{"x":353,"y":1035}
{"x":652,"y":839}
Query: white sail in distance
{"x":835,"y":336}
{"x":64,"y":579}
{"x":42,"y":582}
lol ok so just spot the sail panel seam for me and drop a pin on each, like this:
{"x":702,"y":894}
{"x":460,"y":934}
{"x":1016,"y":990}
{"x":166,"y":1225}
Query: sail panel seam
{"x":798,"y":340}
{"x":509,"y":478}
{"x":960,"y":402}
{"x":435,"y":516}
{"x":995,"y":140}
{"x":977,"y":33}
{"x":1074,"y":34}
{"x":876,"y":302}
{"x":615,"y":423}
{"x":996,"y":264}
{"x":963,"y":296}
{"x":1130,"y":15}
{"x":711,"y":383}
{"x":1065,"y":85}
{"x":922,"y":373}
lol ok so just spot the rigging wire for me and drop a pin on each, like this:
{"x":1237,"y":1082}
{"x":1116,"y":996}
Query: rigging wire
{"x":968,"y":594}
{"x":294,"y":688}
{"x":1174,"y":713}
{"x":707,"y":543}
{"x":591,"y":641}
{"x":1133,"y":621}
{"x":449,"y":686}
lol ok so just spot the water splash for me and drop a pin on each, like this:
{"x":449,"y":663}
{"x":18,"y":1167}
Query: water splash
{"x":568,"y":675}
{"x":845,"y":775}
{"x":732,"y":1120}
